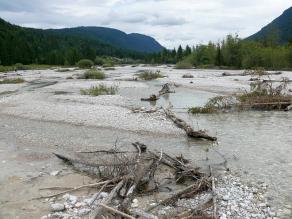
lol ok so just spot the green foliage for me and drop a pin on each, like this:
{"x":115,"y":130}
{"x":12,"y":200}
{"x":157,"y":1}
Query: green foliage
{"x":202,"y":110}
{"x":188,"y":76}
{"x":27,"y":45}
{"x":100,"y":90}
{"x":94,"y":74}
{"x":6,"y":68}
{"x":85,"y":63}
{"x":20,"y":66}
{"x":232,"y":53}
{"x":99,"y":61}
{"x":186,"y":63}
{"x":149,"y":75}
{"x":12,"y":81}
{"x":63,"y":70}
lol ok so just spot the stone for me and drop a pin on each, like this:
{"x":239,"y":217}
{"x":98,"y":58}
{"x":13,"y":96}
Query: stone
{"x":83,"y":211}
{"x":225,"y":197}
{"x":55,"y":173}
{"x":57,"y":207}
{"x":286,"y":211}
{"x":79,"y":204}
{"x":223,"y":216}
{"x":135,"y":203}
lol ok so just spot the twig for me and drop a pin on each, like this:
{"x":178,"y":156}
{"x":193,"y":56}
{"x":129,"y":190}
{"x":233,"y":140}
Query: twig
{"x":76,"y":188}
{"x":98,"y":211}
{"x":116,"y":211}
{"x":98,"y":193}
{"x":196,"y":186}
{"x":143,"y":214}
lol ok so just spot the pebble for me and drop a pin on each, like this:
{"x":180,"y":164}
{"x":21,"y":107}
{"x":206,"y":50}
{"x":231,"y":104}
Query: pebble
{"x":83,"y":211}
{"x":55,"y":173}
{"x":135,"y":203}
{"x":57,"y":207}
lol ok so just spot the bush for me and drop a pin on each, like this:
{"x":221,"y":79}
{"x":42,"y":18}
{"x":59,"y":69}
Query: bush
{"x":184,"y":65}
{"x":6,"y":68}
{"x":100,"y":90}
{"x":63,"y":70}
{"x":93,"y":74}
{"x":12,"y":81}
{"x":20,"y":66}
{"x":149,"y":75}
{"x":85,"y":63}
{"x":188,"y":76}
{"x":99,"y":61}
{"x":202,"y":110}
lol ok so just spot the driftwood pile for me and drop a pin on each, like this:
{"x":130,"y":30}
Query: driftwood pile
{"x":128,"y":175}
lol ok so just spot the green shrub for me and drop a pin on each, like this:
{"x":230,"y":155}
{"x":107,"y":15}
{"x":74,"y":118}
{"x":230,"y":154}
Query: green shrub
{"x":6,"y":68}
{"x":100,"y":90}
{"x":188,"y":76}
{"x":202,"y":110}
{"x":99,"y":61}
{"x":12,"y":81}
{"x":184,"y":64}
{"x":149,"y":75}
{"x":63,"y":70}
{"x":85,"y":63}
{"x":93,"y":74}
{"x":20,"y":66}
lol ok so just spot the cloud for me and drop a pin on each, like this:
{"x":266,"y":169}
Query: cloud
{"x":171,"y":22}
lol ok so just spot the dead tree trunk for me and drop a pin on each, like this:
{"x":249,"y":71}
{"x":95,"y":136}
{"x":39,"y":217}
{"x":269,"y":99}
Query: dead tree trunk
{"x":188,"y":129}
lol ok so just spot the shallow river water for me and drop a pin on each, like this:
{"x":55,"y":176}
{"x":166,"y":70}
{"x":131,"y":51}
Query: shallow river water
{"x":256,"y":144}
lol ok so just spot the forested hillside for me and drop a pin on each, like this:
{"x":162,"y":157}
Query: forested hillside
{"x":116,"y":38}
{"x":28,"y":45}
{"x":232,"y":52}
{"x":278,"y":31}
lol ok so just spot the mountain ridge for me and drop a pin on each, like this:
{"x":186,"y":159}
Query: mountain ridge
{"x":133,"y":41}
{"x":280,"y":29}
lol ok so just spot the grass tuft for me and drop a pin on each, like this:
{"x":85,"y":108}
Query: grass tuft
{"x":12,"y":81}
{"x":149,"y":75}
{"x":93,"y":74}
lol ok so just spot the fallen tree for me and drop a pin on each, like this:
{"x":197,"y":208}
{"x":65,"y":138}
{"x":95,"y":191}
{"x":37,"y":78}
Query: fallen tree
{"x":188,"y":129}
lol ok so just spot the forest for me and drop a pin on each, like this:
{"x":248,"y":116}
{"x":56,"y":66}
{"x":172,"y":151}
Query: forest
{"x":232,"y":52}
{"x":36,"y":46}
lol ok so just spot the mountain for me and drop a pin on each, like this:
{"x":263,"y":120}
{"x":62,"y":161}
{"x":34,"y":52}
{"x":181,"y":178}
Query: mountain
{"x":279,"y":29}
{"x":67,"y":46}
{"x":134,"y":41}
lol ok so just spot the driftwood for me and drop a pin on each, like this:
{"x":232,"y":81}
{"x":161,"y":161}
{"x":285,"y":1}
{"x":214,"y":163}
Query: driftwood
{"x":98,"y":212}
{"x":152,"y":97}
{"x":116,"y":211}
{"x":184,"y":193}
{"x":164,"y":90}
{"x":140,"y":180}
{"x":188,"y":129}
{"x":78,"y":188}
{"x":143,"y":214}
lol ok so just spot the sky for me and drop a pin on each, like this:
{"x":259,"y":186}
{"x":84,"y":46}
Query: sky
{"x":170,"y":22}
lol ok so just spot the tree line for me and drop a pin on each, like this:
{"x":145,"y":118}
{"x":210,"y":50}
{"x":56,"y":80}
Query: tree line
{"x":27,"y":46}
{"x":232,"y":52}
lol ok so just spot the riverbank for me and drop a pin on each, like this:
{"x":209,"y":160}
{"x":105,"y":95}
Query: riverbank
{"x":47,"y":113}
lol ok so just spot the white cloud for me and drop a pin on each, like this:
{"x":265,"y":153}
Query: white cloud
{"x":171,"y":22}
